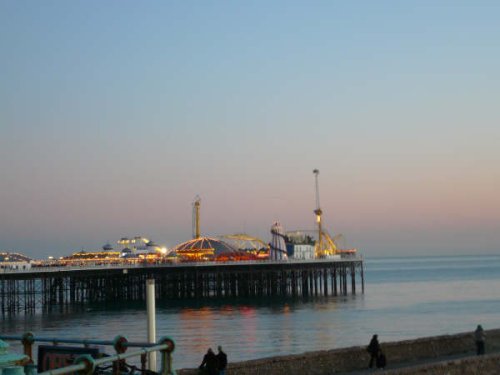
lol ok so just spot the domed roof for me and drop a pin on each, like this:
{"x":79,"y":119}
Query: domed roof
{"x":248,"y":244}
{"x":245,"y":242}
{"x":107,"y":247}
{"x":206,"y":248}
{"x":13,"y":257}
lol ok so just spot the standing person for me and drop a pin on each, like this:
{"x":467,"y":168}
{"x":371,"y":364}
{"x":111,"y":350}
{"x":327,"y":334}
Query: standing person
{"x":209,"y":362}
{"x":373,"y":348}
{"x":479,"y":337}
{"x":221,"y":361}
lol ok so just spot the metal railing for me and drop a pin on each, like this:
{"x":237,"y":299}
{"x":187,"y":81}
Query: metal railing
{"x":86,"y":364}
{"x":54,"y":269}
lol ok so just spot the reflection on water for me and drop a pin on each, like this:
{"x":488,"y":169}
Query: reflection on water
{"x":404,"y":299}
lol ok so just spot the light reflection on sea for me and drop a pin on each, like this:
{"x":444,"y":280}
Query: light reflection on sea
{"x":404,"y":298}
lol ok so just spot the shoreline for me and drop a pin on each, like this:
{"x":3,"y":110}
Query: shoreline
{"x":403,"y":357}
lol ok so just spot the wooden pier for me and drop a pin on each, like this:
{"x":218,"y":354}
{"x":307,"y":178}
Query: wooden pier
{"x":26,"y":291}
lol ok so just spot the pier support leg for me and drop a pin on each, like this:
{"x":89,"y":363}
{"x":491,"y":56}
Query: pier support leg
{"x":151,"y":307}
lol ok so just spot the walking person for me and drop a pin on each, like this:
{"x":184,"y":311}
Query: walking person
{"x":373,"y":348}
{"x":479,"y":336}
{"x":209,"y":364}
{"x":221,"y":361}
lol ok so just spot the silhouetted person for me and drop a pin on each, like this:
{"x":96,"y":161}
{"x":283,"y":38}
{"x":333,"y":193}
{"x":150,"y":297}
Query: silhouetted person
{"x":209,"y":363}
{"x":381,"y":360}
{"x":221,"y":361}
{"x":373,"y":348}
{"x":479,"y":336}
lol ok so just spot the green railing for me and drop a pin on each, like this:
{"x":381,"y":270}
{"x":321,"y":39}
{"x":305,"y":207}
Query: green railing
{"x":86,"y":365}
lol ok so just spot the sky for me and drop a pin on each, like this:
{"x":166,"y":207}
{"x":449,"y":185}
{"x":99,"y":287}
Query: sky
{"x":114,"y":115}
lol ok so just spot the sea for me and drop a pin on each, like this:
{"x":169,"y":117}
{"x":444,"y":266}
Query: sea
{"x":404,"y":298}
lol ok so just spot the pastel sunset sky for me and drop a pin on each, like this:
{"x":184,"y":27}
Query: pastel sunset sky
{"x":114,"y":115}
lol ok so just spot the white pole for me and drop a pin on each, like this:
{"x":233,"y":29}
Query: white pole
{"x":150,"y":297}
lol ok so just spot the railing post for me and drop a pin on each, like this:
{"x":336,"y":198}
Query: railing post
{"x":166,"y":356}
{"x":120,"y":345}
{"x":144,"y":360}
{"x":28,"y":340}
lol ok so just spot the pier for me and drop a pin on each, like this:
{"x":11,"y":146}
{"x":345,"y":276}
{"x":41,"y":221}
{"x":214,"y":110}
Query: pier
{"x":49,"y":287}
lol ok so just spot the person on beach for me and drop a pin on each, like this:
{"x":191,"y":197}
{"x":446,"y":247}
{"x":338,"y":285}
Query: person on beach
{"x":479,"y":336}
{"x":209,"y":364}
{"x":373,"y":348}
{"x":221,"y":361}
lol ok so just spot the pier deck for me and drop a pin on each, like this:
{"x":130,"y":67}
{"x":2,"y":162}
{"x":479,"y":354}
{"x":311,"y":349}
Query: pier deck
{"x":44,"y":287}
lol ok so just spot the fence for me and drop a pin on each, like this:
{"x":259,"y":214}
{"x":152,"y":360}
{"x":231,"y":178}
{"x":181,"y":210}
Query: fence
{"x":86,"y":364}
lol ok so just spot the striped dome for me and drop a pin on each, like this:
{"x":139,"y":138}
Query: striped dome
{"x":206,"y":248}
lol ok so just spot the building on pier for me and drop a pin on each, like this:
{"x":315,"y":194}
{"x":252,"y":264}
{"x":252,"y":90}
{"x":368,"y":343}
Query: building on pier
{"x":209,"y":249}
{"x":140,"y":245}
{"x":300,"y":245}
{"x":137,"y":248}
{"x":14,"y":261}
{"x":248,"y":244}
{"x":91,"y":256}
{"x":278,"y":245}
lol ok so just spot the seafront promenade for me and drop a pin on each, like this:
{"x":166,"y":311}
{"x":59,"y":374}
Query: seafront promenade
{"x":439,"y":355}
{"x":49,"y":287}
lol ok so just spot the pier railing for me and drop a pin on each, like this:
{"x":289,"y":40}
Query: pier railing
{"x":91,"y":266}
{"x":86,"y":364}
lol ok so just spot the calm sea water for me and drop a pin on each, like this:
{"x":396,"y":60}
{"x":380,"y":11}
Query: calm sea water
{"x":404,"y":298}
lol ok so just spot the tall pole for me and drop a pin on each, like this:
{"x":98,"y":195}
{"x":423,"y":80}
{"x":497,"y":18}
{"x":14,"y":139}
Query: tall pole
{"x":197,"y":217}
{"x":318,"y":213}
{"x":151,"y":308}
